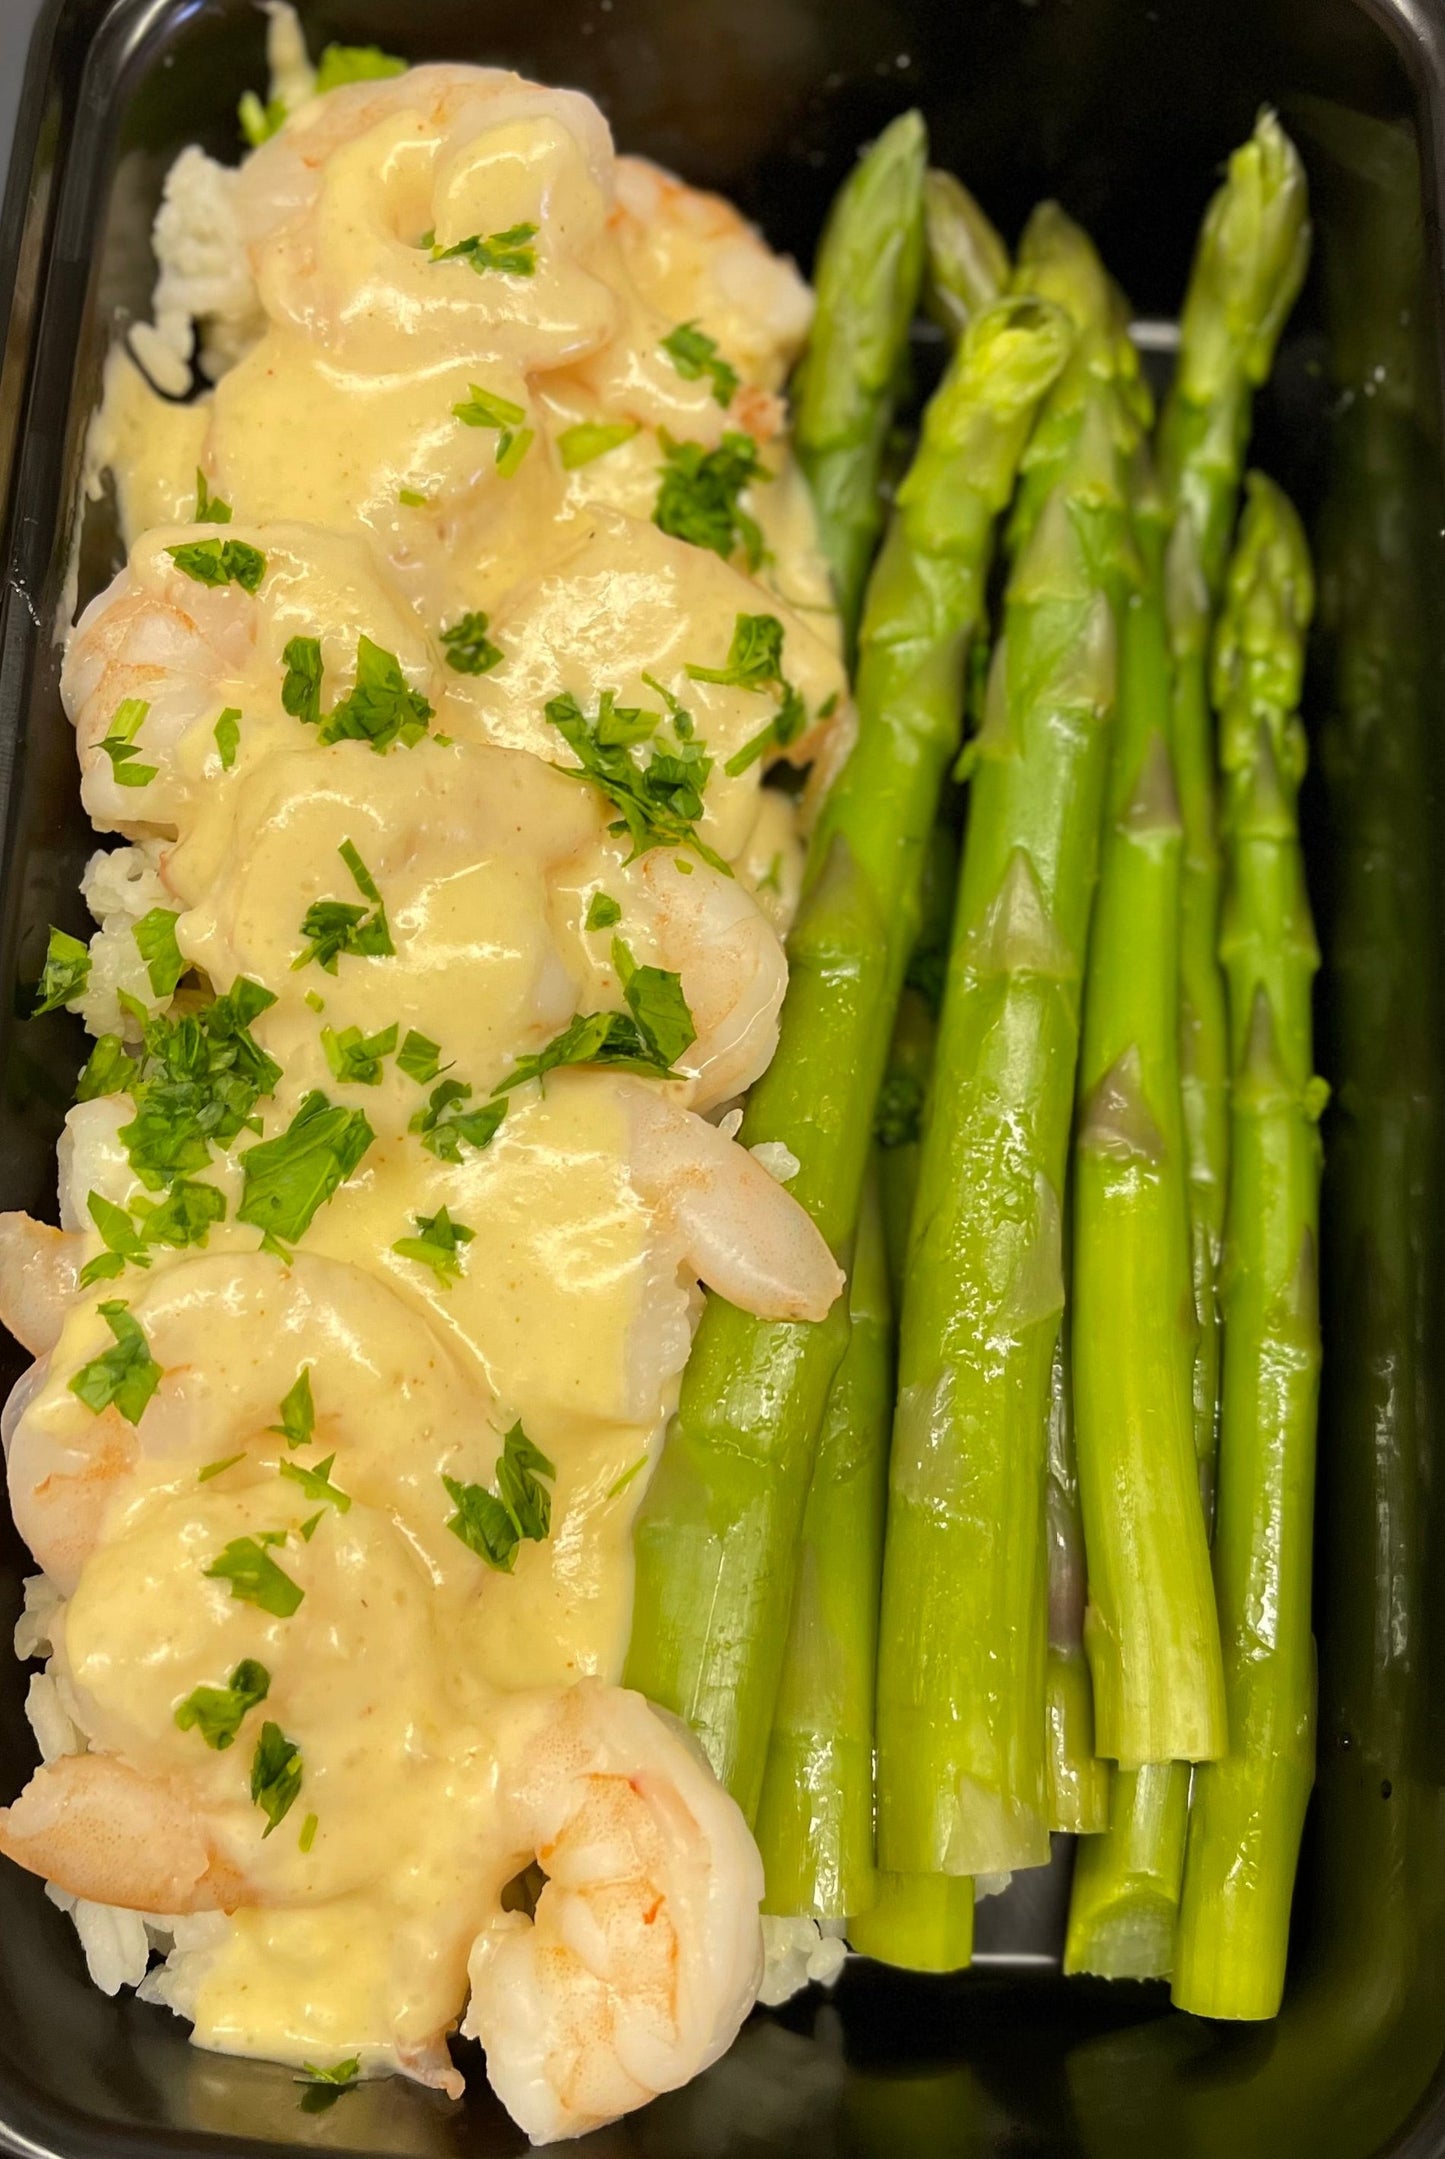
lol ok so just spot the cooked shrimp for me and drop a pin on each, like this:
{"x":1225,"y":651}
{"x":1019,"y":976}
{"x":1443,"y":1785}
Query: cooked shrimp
{"x":38,"y":1269}
{"x":100,"y":1830}
{"x":645,"y":1951}
{"x":188,"y":650}
{"x":736,"y":1228}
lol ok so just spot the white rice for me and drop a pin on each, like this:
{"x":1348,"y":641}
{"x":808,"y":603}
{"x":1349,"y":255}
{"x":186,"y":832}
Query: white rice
{"x":799,"y":1953}
{"x":119,"y":886}
{"x":777,"y":1158}
{"x":205,"y":279}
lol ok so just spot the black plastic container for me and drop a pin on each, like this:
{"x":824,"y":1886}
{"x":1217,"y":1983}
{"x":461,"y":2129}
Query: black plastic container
{"x":1124,"y":109}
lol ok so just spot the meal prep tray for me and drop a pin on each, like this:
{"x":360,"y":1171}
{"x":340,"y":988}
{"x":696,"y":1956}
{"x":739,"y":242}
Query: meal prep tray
{"x":1124,"y":109}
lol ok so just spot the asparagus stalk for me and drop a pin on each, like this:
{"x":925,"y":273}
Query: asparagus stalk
{"x":1248,"y":266}
{"x":717,"y":1531}
{"x":1248,"y":1809}
{"x":815,"y":1816}
{"x":918,"y":1922}
{"x":967,"y":264}
{"x":962,"y":1642}
{"x":1150,"y":1630}
{"x":1124,"y":1899}
{"x":1077,"y":1781}
{"x":867,"y":275}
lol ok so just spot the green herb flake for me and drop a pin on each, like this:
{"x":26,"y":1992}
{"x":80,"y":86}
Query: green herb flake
{"x":217,"y":1712}
{"x":340,"y":2073}
{"x":109,"y":1069}
{"x":122,"y":1240}
{"x":220,"y":562}
{"x":468,"y":648}
{"x":438,"y":1245}
{"x":589,"y":439}
{"x":275,"y":1775}
{"x":255,"y":1577}
{"x":311,"y":1524}
{"x":228,"y":736}
{"x":340,"y":64}
{"x":298,"y":1412}
{"x":285,"y":1179}
{"x":445,"y":1127}
{"x":419,"y":1057}
{"x":483,"y":408}
{"x":155,"y":937}
{"x":303,"y":1844}
{"x":355,"y":1058}
{"x":511,"y":449}
{"x":185,"y":1216}
{"x":316,"y":1483}
{"x":126,"y":1374}
{"x":380,"y":708}
{"x":620,"y":1484}
{"x":120,"y":744}
{"x":655,"y":1000}
{"x":694,"y":355}
{"x":510,"y":252}
{"x":301,"y":683}
{"x":210,"y":510}
{"x":413,"y":498}
{"x":660,"y":802}
{"x":65,"y":974}
{"x":493,"y":1524}
{"x":260,"y":122}
{"x":698,"y":496}
{"x":214,"y":1469}
{"x":755,"y":655}
{"x":336,"y":927}
{"x":602,"y":912}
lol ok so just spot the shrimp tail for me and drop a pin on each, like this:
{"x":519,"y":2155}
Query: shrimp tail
{"x":102,"y":1831}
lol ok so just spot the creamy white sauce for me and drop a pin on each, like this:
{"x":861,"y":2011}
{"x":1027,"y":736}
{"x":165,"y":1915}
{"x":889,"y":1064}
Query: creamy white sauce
{"x":571,"y":1308}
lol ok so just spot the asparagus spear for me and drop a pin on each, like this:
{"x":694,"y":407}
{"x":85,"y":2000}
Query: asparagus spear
{"x":1150,"y":1630}
{"x":717,"y":1531}
{"x":919,"y":1922}
{"x":1248,"y":1810}
{"x":1124,"y":1899}
{"x":867,"y":275}
{"x":1248,"y":266}
{"x":962,"y":1649}
{"x":815,"y":1816}
{"x":1077,"y":1781}
{"x":967,"y":262}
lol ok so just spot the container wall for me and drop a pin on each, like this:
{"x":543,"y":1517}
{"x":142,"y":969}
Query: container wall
{"x":1124,"y":109}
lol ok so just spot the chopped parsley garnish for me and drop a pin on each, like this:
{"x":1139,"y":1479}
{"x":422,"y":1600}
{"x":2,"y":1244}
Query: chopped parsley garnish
{"x":694,"y":354}
{"x":228,"y":736}
{"x":185,"y":1216}
{"x":316,"y":1483}
{"x":661,"y":801}
{"x":155,"y":937}
{"x":122,"y":1240}
{"x":303,"y":1844}
{"x":298,"y":1412}
{"x":655,"y":1000}
{"x":493,"y":1524}
{"x":336,"y":927}
{"x":419,"y":1057}
{"x":755,"y":662}
{"x":259,"y":122}
{"x":510,"y":251}
{"x":120,"y":745}
{"x":195,"y":1084}
{"x":210,"y":510}
{"x":66,"y":972}
{"x":620,"y":1484}
{"x":287,"y":1178}
{"x":381,"y":707}
{"x":579,"y":445}
{"x":698,"y":497}
{"x":438,"y":1245}
{"x":107,"y":1070}
{"x":339,"y":2073}
{"x":469,"y":649}
{"x":446,"y":1127}
{"x":412,"y":497}
{"x":355,"y":1058}
{"x":355,"y":63}
{"x":275,"y":1775}
{"x":602,"y":912}
{"x":220,"y":562}
{"x":595,"y":1038}
{"x":214,"y":1469}
{"x":126,"y":1374}
{"x":217,"y":1713}
{"x":485,"y":409}
{"x":255,"y":1577}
